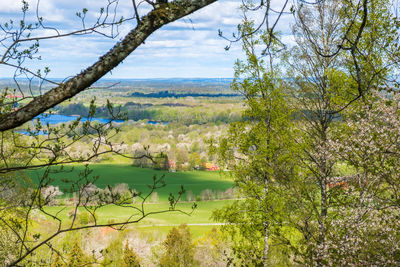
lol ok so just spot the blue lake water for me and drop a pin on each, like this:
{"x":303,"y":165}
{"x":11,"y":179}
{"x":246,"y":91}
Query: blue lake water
{"x":56,"y":118}
{"x":157,"y":122}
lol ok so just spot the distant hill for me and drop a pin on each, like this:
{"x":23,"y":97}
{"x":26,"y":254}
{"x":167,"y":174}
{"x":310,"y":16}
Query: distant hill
{"x":203,"y":85}
{"x":163,"y":94}
{"x":181,"y":85}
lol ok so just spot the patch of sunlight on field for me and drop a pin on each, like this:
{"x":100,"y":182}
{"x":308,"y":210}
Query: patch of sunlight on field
{"x":140,"y":178}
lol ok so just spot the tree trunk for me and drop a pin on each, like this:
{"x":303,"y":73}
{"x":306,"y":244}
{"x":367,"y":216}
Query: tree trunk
{"x":266,"y":224}
{"x":324,"y":203}
{"x":321,"y":224}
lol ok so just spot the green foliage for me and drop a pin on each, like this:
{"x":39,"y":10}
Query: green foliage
{"x":130,"y":259}
{"x":167,"y":112}
{"x":198,"y":180}
{"x":84,"y":218}
{"x":76,"y":257}
{"x":259,"y":150}
{"x":324,"y":88}
{"x":113,"y":253}
{"x":195,"y":160}
{"x":57,"y":262}
{"x":179,"y":249}
{"x":14,"y":194}
{"x":161,"y":162}
{"x":212,"y":249}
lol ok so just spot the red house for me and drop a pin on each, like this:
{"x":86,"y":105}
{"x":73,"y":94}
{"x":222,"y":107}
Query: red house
{"x":211,"y":166}
{"x":171,"y":164}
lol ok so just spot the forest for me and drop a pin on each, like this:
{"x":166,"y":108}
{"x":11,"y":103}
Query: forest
{"x":292,"y":162}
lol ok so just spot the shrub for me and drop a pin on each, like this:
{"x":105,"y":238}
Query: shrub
{"x":121,"y":188}
{"x":84,"y":218}
{"x":154,"y":197}
{"x":50,"y":193}
{"x":190,"y":196}
{"x":207,"y":194}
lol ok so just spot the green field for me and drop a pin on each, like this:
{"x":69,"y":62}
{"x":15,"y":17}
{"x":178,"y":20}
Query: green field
{"x":199,"y":220}
{"x":201,"y":215}
{"x":140,"y":178}
{"x":159,"y":225}
{"x":110,"y":174}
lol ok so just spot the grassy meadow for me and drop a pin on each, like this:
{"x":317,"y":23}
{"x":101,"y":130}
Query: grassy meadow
{"x":139,"y":179}
{"x":198,"y":220}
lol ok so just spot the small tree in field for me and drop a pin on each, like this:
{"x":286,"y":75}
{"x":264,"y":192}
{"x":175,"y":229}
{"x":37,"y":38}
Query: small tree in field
{"x":179,"y":249}
{"x":130,"y":259}
{"x":76,"y":257}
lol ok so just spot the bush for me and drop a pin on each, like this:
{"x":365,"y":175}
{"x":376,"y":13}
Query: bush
{"x":154,"y":198}
{"x":190,"y":196}
{"x":207,"y":194}
{"x":50,"y":194}
{"x":84,"y":218}
{"x":121,"y":188}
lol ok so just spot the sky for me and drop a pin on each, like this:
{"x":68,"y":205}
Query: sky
{"x":189,"y":47}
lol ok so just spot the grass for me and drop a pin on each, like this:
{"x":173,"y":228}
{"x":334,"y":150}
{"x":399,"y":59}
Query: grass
{"x":140,"y":178}
{"x":199,"y":221}
{"x":201,"y":215}
{"x":110,"y":174}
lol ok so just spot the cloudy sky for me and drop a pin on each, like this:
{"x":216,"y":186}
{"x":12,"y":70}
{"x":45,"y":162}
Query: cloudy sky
{"x":189,"y":47}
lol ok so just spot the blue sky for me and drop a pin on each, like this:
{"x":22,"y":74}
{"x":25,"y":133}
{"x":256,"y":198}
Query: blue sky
{"x":189,"y":47}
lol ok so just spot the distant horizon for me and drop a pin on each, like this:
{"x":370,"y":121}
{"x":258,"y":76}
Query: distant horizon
{"x":161,"y":78}
{"x":190,"y":47}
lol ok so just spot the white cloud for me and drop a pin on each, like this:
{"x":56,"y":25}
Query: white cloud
{"x":188,"y":47}
{"x":10,"y":6}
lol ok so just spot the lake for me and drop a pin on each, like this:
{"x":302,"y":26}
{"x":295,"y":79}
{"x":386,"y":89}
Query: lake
{"x":56,"y":118}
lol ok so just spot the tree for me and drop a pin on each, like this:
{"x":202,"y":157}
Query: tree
{"x":258,"y":151}
{"x":57,"y":261}
{"x":112,"y":255}
{"x":194,"y":160}
{"x":342,"y":54}
{"x":331,"y":73}
{"x":211,"y":249}
{"x":76,"y":257}
{"x":179,"y":250}
{"x":365,"y":143}
{"x":130,"y":259}
{"x":20,"y":44}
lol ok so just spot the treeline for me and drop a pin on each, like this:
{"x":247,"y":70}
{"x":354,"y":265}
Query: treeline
{"x":177,"y":113}
{"x":164,"y":94}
